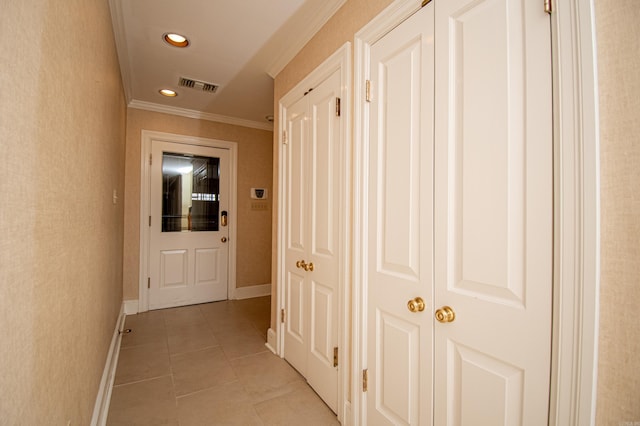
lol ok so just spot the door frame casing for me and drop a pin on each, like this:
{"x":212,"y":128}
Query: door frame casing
{"x":339,"y":60}
{"x":576,"y":207}
{"x":148,"y":136}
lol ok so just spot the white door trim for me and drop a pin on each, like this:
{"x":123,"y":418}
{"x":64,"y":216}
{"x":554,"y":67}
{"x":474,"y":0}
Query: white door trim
{"x":340,"y":60}
{"x":577,"y":209}
{"x":577,"y":214}
{"x":147,"y":137}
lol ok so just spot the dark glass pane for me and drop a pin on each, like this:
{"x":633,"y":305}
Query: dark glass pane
{"x":190,"y":193}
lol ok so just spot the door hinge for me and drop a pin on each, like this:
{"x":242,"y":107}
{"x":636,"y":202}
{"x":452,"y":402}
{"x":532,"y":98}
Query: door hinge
{"x":365,"y":380}
{"x":548,"y":6}
{"x":425,"y":2}
{"x":335,"y":356}
{"x":148,"y":282}
{"x":282,"y":315}
{"x":368,"y":91}
{"x":337,"y":107}
{"x":284,"y":137}
{"x":151,"y":159}
{"x":149,"y":220}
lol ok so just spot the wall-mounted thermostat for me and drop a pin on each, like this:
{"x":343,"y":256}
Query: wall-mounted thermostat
{"x":258,"y":193}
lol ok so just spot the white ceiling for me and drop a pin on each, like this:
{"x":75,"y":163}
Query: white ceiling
{"x":239,"y":45}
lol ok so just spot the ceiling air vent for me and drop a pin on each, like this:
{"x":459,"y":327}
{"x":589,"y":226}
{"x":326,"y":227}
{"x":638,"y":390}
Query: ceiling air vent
{"x":198,"y":85}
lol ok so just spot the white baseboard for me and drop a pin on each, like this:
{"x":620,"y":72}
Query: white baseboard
{"x":101,"y":407}
{"x":131,"y":307}
{"x":252,"y":291}
{"x":271,"y":341}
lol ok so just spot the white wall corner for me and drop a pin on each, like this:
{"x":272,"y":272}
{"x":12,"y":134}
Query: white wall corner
{"x":251,"y":291}
{"x":271,"y":341}
{"x":103,"y":399}
{"x":130,"y":307}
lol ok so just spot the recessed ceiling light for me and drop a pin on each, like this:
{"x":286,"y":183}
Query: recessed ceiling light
{"x":168,"y":92}
{"x":176,"y":40}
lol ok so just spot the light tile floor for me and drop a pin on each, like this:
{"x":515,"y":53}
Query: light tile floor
{"x":208,"y":365}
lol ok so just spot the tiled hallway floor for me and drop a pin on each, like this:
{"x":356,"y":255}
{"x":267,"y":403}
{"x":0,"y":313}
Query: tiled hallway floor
{"x":208,"y":365}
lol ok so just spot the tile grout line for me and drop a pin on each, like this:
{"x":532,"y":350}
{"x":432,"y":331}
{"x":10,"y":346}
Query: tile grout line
{"x":148,"y":379}
{"x":173,"y":382}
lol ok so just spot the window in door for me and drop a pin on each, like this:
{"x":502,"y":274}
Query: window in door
{"x":190,"y":193}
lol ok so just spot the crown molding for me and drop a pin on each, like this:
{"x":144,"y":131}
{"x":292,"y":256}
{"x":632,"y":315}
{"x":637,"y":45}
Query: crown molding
{"x":199,"y":115}
{"x":297,"y":31}
{"x":119,"y":34}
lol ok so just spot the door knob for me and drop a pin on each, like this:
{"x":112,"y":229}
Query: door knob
{"x":416,"y":304}
{"x":223,"y":239}
{"x":304,"y":265}
{"x":445,"y":314}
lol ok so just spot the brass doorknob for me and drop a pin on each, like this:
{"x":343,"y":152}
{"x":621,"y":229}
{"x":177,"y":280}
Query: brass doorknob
{"x":416,"y":304}
{"x":304,"y":265}
{"x":445,"y":314}
{"x":224,"y":239}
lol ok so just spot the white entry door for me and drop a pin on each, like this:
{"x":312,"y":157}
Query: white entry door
{"x":188,"y":253}
{"x":312,"y":252}
{"x":459,"y":217}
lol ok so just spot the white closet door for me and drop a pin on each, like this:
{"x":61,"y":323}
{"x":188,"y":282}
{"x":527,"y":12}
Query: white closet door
{"x":296,"y":329}
{"x":324,"y":232}
{"x":313,"y":243}
{"x":400,"y":225}
{"x":462,"y":219}
{"x":493,"y":216}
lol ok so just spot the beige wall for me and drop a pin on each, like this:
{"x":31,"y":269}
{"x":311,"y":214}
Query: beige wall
{"x":618,"y":43}
{"x":62,"y":127}
{"x":254,"y":170}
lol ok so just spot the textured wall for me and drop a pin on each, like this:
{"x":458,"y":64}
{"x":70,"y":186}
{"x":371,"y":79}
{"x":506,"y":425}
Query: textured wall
{"x":62,"y":127}
{"x":618,"y":43}
{"x":254,"y":170}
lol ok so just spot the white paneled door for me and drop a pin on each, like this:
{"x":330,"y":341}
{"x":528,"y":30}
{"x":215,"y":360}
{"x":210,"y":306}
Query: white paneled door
{"x":312,"y":237}
{"x":458,"y":217}
{"x":188,"y":250}
{"x":400,"y":218}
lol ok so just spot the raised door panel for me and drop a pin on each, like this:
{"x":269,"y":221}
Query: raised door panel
{"x":399,"y":218}
{"x":173,"y":268}
{"x":493,"y":241}
{"x":397,"y":391}
{"x":497,"y":402}
{"x":296,"y":324}
{"x":207,"y":266}
{"x":297,"y":179}
{"x":324,"y":169}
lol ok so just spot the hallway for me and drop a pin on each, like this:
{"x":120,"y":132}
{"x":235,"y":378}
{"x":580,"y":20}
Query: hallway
{"x":208,"y":365}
